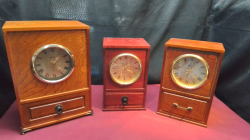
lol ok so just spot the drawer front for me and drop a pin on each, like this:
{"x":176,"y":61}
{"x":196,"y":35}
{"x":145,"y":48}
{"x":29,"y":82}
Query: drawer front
{"x":43,"y":112}
{"x":132,"y":99}
{"x":54,"y":108}
{"x":183,"y":107}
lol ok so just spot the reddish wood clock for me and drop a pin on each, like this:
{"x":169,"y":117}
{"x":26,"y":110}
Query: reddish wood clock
{"x":125,"y":73}
{"x":50,"y":67}
{"x":189,"y":75}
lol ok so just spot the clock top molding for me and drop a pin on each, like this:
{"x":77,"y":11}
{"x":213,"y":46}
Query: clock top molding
{"x":195,"y":45}
{"x":13,"y":26}
{"x":130,"y":43}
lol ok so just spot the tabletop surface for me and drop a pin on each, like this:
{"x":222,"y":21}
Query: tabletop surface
{"x":223,"y":124}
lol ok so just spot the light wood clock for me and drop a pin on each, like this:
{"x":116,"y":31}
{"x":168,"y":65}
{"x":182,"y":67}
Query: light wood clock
{"x":50,"y":68}
{"x":189,"y":76}
{"x":125,"y":73}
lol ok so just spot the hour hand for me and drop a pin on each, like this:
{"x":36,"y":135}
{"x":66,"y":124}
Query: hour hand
{"x":56,"y":59}
{"x":193,"y":76}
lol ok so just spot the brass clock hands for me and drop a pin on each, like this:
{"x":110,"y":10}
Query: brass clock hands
{"x":56,"y":59}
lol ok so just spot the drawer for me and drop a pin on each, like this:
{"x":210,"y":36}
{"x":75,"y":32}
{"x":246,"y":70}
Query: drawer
{"x":183,"y":107}
{"x":133,"y":98}
{"x":56,"y":108}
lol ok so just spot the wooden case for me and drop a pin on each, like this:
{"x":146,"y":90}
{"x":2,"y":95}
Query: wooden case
{"x":136,"y":92}
{"x":37,"y":100}
{"x":175,"y":101}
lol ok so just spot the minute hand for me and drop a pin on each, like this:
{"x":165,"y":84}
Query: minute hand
{"x":193,"y":76}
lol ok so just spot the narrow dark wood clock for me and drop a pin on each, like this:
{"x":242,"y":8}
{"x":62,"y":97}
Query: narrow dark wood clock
{"x":125,"y":73}
{"x":50,"y":68}
{"x":189,"y":76}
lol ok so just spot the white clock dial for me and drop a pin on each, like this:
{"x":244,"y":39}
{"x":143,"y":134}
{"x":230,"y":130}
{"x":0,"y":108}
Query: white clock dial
{"x":52,"y":63}
{"x":125,"y":69}
{"x":189,"y":71}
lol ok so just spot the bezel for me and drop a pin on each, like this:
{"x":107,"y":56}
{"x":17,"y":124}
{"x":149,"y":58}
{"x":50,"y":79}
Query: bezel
{"x":183,"y":85}
{"x":125,"y":83}
{"x":52,"y":46}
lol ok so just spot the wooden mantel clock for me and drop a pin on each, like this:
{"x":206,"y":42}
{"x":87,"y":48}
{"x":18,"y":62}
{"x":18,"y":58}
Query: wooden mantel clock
{"x":125,"y":73}
{"x":189,"y":75}
{"x":50,"y":68}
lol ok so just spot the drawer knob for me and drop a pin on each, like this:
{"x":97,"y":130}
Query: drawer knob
{"x":188,"y":108}
{"x":58,"y":109}
{"x":124,"y":100}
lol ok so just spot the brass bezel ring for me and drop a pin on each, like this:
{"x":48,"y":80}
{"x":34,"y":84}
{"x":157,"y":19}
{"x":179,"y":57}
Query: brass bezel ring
{"x":197,"y":57}
{"x":125,"y":83}
{"x":52,"y":46}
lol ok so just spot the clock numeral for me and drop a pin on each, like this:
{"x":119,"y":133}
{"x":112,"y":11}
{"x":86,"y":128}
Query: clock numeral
{"x":199,"y":79}
{"x":52,"y":49}
{"x":176,"y":68}
{"x":202,"y":67}
{"x":38,"y":65}
{"x":198,"y":61}
{"x":176,"y":73}
{"x":202,"y":73}
{"x":44,"y":51}
{"x":194,"y":82}
{"x":180,"y":79}
{"x":54,"y":75}
{"x":40,"y":71}
{"x":66,"y":68}
{"x":119,"y":76}
{"x":39,"y":57}
{"x":46,"y":75}
{"x":136,"y":68}
{"x":120,"y":58}
{"x":192,"y":59}
{"x":135,"y":62}
{"x":67,"y":61}
{"x":61,"y":72}
{"x":125,"y":57}
{"x":185,"y":59}
{"x":186,"y":82}
{"x":114,"y":73}
{"x":65,"y":55}
{"x":124,"y":78}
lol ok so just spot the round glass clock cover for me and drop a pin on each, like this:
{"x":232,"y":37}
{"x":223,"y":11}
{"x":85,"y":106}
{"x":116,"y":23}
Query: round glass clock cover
{"x":125,"y":69}
{"x":52,"y":63}
{"x":189,"y":71}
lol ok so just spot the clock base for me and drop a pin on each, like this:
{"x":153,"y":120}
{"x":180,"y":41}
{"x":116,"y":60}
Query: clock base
{"x":122,"y":108}
{"x":27,"y":129}
{"x":181,"y":118}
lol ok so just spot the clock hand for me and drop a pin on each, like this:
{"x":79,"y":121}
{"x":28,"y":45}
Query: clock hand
{"x":56,"y":59}
{"x":60,"y":69}
{"x":193,"y":76}
{"x":130,"y":70}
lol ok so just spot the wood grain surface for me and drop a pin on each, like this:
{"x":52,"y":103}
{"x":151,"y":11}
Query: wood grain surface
{"x":22,"y":46}
{"x":201,"y":98}
{"x":136,"y":92}
{"x":197,"y":113}
{"x":37,"y":100}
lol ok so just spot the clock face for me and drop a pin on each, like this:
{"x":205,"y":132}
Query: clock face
{"x":52,"y":63}
{"x":189,"y":71}
{"x":125,"y":69}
